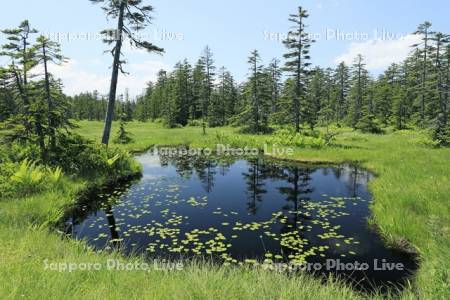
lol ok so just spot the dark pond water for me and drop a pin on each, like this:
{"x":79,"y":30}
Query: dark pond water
{"x":244,"y":211}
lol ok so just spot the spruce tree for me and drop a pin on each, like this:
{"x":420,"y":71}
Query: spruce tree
{"x":22,"y":58}
{"x":198,"y":78}
{"x":441,"y":131}
{"x":208,"y":69}
{"x":358,"y":90}
{"x":159,"y":96}
{"x":298,"y":44}
{"x":8,"y":107}
{"x":257,"y":93}
{"x":123,"y":136}
{"x":254,"y":87}
{"x":19,"y":50}
{"x":132,"y":17}
{"x":50,"y":52}
{"x":316,"y":93}
{"x":223,"y":100}
{"x":342,"y":83}
{"x":275,"y":83}
{"x":326,"y":113}
{"x":424,"y":49}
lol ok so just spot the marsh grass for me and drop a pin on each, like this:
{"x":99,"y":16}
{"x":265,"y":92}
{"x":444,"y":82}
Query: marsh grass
{"x":411,"y":202}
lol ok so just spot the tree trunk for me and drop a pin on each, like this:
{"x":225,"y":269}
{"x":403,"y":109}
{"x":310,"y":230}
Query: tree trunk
{"x":114,"y":77}
{"x":51,"y":124}
{"x":424,"y":77}
{"x":298,"y":89}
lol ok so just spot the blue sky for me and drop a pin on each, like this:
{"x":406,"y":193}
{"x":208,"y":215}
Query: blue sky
{"x":377,"y":29}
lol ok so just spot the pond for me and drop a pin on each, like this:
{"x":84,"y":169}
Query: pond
{"x":245,"y":211}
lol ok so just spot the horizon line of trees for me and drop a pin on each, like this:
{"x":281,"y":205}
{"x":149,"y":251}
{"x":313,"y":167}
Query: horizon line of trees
{"x":411,"y":93}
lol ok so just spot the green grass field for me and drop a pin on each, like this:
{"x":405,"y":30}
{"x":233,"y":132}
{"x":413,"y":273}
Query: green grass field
{"x":411,"y":202}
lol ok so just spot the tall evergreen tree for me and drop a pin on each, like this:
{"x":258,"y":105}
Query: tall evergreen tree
{"x":326,"y":113}
{"x":143,"y":104}
{"x":298,"y":44}
{"x":441,"y":129}
{"x":159,"y":96}
{"x":358,"y":91}
{"x":19,"y":50}
{"x":275,"y":82}
{"x":424,"y":49}
{"x":342,"y":88}
{"x":384,"y":90}
{"x":223,"y":100}
{"x":256,"y":112}
{"x":50,"y":52}
{"x":132,"y":16}
{"x":207,"y":63}
{"x":8,"y":107}
{"x":198,"y":78}
{"x":316,"y":93}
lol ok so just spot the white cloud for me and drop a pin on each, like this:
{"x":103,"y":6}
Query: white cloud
{"x":77,"y":79}
{"x":379,"y":54}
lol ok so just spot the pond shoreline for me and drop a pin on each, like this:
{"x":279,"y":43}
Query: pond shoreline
{"x":401,"y":247}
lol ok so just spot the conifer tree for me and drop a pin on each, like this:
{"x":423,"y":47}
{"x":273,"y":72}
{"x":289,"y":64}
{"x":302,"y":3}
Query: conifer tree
{"x":298,"y":44}
{"x":441,"y":131}
{"x":326,"y":112}
{"x":424,"y":49}
{"x":208,"y":69}
{"x":257,"y":94}
{"x":159,"y":96}
{"x":22,"y":55}
{"x":358,"y":90}
{"x":19,"y":49}
{"x":275,"y":82}
{"x":223,"y":100}
{"x":8,"y":107}
{"x":132,"y":17}
{"x":123,"y":136}
{"x":50,"y":52}
{"x":342,"y":83}
{"x":198,"y":78}
{"x":316,"y":94}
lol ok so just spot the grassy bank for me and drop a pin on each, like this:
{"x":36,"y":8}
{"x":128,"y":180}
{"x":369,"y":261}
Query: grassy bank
{"x":412,"y":202}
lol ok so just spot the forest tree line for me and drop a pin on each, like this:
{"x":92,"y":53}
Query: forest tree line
{"x":413,"y":93}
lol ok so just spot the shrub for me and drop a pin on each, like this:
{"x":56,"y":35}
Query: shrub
{"x":237,"y":141}
{"x":97,"y":160}
{"x":75,"y":155}
{"x":257,"y":130}
{"x":441,"y":131}
{"x":29,"y":178}
{"x":369,"y":124}
{"x":286,"y":137}
{"x":123,"y":136}
{"x":195,"y":123}
{"x":6,"y":171}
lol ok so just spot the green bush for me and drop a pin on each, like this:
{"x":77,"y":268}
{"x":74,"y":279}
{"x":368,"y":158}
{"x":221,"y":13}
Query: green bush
{"x":22,"y":172}
{"x":286,"y":137}
{"x":6,"y":171}
{"x":74,"y":155}
{"x":87,"y":158}
{"x":123,"y":136}
{"x":195,"y":123}
{"x":28,"y":178}
{"x":441,"y":131}
{"x":237,"y":141}
{"x":369,"y":124}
